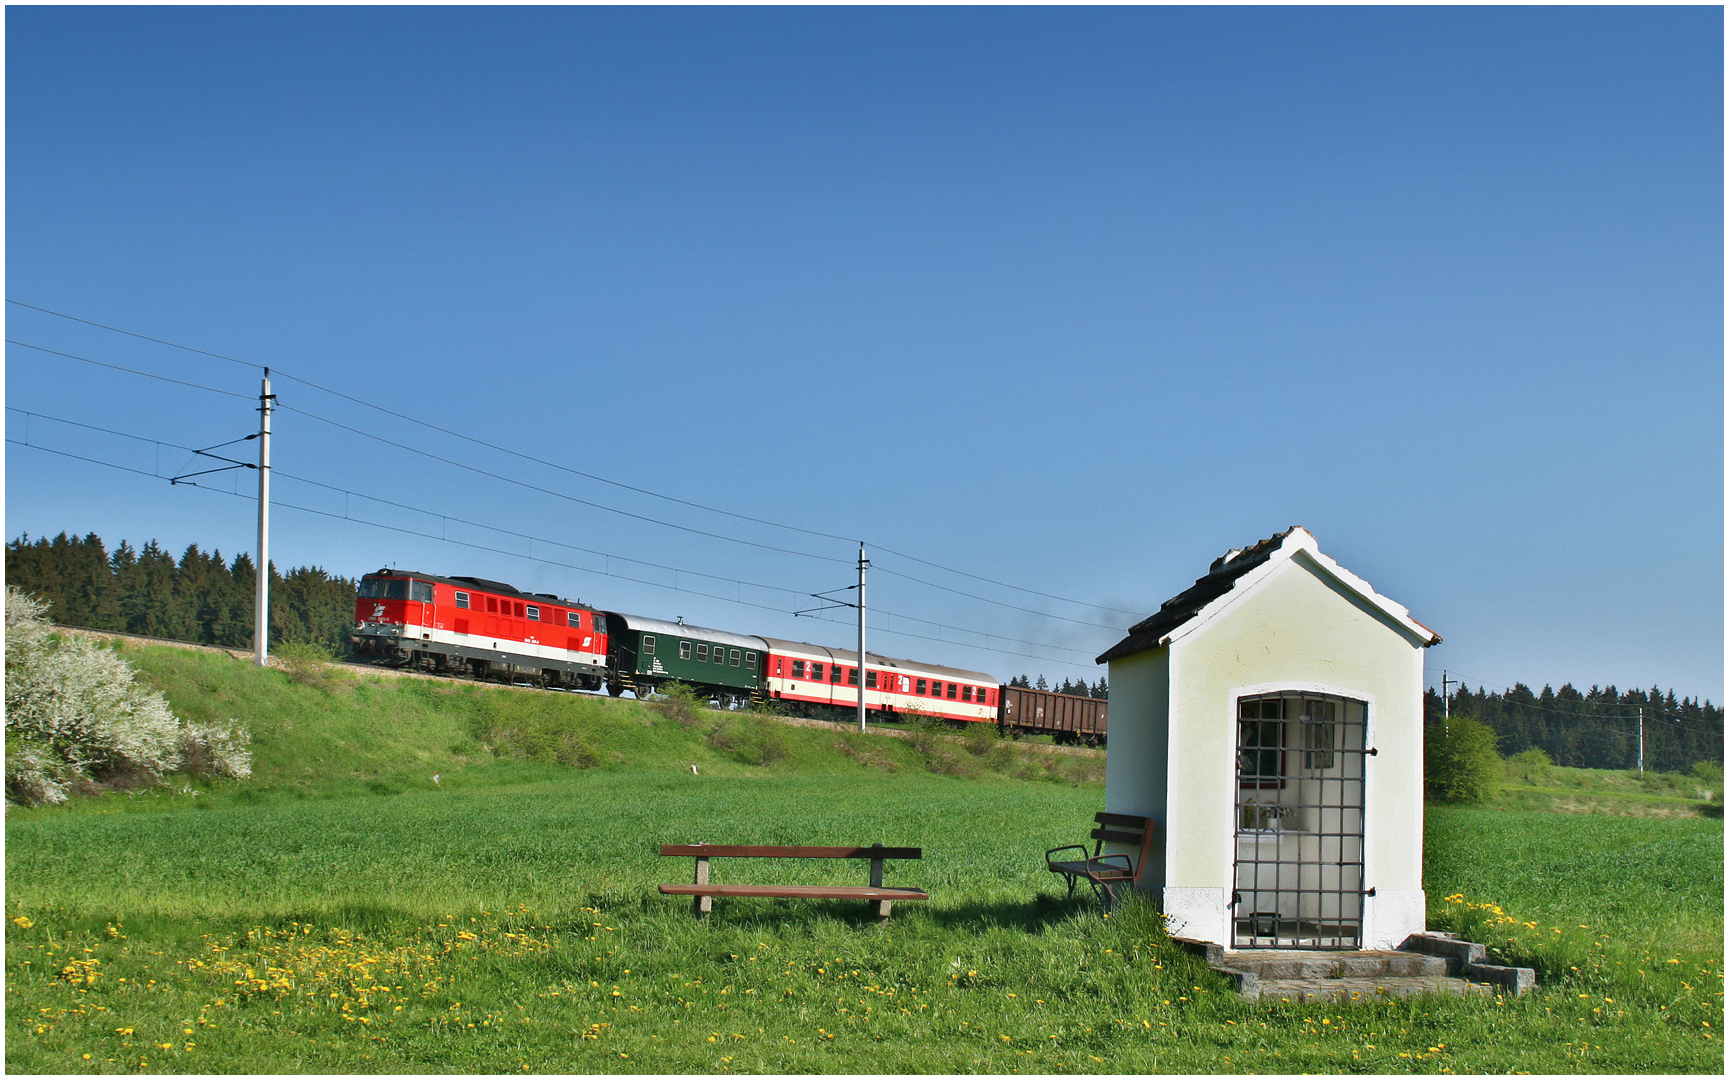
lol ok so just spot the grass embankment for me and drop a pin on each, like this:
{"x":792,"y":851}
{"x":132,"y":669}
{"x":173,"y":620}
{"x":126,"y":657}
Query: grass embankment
{"x":1562,"y":790}
{"x":342,"y":912}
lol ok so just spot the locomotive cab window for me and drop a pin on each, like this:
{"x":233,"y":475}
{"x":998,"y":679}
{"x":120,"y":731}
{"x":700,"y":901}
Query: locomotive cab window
{"x":684,"y":650}
{"x":462,"y":600}
{"x":599,"y":622}
{"x":421,"y":591}
{"x":384,"y":589}
{"x":648,"y":644}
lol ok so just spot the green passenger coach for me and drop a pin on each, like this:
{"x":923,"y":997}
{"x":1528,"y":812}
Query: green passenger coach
{"x":644,"y":653}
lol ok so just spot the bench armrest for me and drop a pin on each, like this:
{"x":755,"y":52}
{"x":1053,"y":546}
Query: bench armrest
{"x":1082,"y":848}
{"x":1101,"y":863}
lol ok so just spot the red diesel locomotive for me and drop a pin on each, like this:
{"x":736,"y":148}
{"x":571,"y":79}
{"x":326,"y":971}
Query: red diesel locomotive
{"x":479,"y":628}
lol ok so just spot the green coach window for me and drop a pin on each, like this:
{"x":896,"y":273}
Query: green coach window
{"x":648,"y":644}
{"x":684,"y":650}
{"x":701,"y":653}
{"x":735,"y":658}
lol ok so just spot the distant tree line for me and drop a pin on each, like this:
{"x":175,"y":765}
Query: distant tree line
{"x":1079,"y":688}
{"x":1596,"y":729}
{"x":199,"y":597}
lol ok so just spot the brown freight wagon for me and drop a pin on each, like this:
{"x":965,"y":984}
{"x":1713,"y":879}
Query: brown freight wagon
{"x":1067,"y":717}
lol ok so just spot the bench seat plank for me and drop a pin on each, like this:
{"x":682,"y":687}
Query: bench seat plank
{"x":722,"y":851}
{"x":821,"y":892}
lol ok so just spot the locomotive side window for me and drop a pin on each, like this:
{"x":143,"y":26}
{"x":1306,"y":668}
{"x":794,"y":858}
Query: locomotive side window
{"x":798,"y":669}
{"x":735,"y":658}
{"x":816,"y":672}
{"x":648,"y":644}
{"x":462,"y":600}
{"x":701,"y":653}
{"x":421,"y":591}
{"x":684,"y":650}
{"x":575,"y":618}
{"x":534,"y":613}
{"x":921,"y":686}
{"x":599,"y":622}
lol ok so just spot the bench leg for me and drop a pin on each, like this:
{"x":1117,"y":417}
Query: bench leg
{"x":701,"y":905}
{"x":883,"y":907}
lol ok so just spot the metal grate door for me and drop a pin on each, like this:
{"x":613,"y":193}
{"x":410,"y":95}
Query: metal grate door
{"x":1299,"y":822}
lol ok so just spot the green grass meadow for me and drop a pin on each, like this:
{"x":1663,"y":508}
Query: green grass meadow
{"x":342,"y":912}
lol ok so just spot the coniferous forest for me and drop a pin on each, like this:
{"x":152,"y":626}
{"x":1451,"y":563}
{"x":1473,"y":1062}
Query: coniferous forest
{"x":200,"y":597}
{"x":1593,"y":729}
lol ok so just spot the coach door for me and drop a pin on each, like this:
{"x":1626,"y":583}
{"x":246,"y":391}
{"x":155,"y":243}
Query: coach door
{"x":1299,"y":822}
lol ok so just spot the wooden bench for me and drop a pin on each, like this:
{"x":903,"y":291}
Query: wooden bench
{"x":1105,"y":872}
{"x":705,"y":890}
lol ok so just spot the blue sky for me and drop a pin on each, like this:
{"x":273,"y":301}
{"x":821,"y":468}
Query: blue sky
{"x":1072,"y":300}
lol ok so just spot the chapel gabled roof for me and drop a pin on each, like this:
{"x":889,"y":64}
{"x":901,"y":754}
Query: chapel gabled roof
{"x":1213,"y":591}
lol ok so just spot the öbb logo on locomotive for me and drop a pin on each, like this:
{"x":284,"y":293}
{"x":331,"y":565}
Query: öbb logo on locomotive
{"x":470,"y":626}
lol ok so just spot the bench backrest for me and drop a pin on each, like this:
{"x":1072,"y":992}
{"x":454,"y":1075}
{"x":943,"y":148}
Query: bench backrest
{"x":1130,"y":829}
{"x":715,"y":851}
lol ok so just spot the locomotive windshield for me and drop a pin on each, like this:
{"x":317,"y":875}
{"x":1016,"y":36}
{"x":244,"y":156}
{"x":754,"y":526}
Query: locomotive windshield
{"x":383,"y":589}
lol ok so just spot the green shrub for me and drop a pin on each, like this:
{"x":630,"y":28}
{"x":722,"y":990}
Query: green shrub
{"x":1460,"y":762}
{"x":1533,"y":766}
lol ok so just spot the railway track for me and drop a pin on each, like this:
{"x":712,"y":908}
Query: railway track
{"x":377,"y":669}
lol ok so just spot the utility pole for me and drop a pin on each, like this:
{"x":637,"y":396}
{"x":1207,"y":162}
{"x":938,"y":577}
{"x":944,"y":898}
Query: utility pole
{"x":261,"y":622}
{"x":1641,"y":741}
{"x":862,"y":563}
{"x":1446,"y":705}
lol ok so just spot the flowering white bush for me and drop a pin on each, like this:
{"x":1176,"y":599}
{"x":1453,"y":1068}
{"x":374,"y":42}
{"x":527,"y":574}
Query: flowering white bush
{"x":74,"y":712}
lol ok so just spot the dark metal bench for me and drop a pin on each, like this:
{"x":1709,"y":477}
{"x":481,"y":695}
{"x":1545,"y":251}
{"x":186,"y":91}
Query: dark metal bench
{"x":705,"y":891}
{"x":1106,"y":872}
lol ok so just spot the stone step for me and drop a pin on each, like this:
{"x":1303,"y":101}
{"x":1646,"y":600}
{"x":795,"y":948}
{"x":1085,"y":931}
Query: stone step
{"x":1398,"y":986}
{"x":1357,"y":964}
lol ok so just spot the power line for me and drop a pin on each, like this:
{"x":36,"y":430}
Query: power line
{"x":132,"y":371}
{"x":594,"y":476}
{"x":556,"y":494}
{"x":551,"y":562}
{"x":589,"y":503}
{"x":129,"y":333}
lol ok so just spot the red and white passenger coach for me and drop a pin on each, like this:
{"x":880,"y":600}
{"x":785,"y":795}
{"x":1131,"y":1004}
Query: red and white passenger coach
{"x":815,"y":674}
{"x":484,"y":628}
